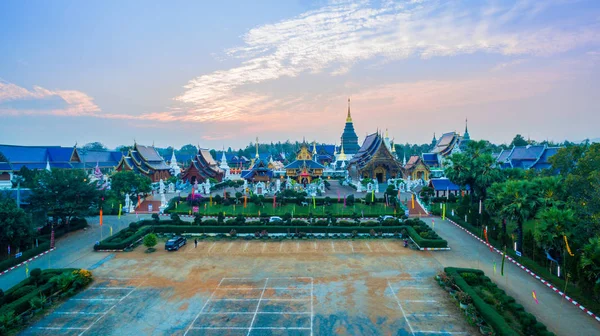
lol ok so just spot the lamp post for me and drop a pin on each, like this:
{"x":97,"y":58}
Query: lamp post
{"x":18,"y":179}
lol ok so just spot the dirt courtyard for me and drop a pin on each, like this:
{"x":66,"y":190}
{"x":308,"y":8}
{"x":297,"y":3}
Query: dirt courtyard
{"x":307,"y":287}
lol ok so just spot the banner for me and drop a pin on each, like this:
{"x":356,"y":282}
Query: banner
{"x":503,"y":257}
{"x":444,"y":211}
{"x":413,"y":200}
{"x":372,"y":196}
{"x":314,"y":203}
{"x":568,"y":248}
{"x":121,"y":208}
{"x":480,"y":207}
{"x":245,"y":201}
{"x":100,"y":216}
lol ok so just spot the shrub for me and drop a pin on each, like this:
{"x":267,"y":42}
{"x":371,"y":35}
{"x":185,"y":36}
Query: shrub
{"x":156,"y":217}
{"x":82,"y":278}
{"x":20,"y":292}
{"x":150,"y":240}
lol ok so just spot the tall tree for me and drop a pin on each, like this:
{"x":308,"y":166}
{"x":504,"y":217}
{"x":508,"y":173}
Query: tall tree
{"x":565,"y":160}
{"x":554,"y":223}
{"x":64,"y":194}
{"x":15,"y":224}
{"x":474,"y":167}
{"x":128,"y":182}
{"x":518,"y":140}
{"x":188,"y":149}
{"x":94,"y":146}
{"x":517,"y":201}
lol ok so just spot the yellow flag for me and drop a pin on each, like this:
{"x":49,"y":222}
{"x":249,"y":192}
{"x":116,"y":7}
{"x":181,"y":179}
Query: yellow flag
{"x":111,"y":230}
{"x":120,"y":208}
{"x":26,"y":270}
{"x":568,"y":248}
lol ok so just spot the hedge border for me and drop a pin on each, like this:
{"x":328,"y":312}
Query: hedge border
{"x":490,"y":315}
{"x":28,"y":260}
{"x":542,"y":280}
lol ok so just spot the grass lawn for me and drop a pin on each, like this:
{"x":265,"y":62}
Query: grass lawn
{"x":298,"y":211}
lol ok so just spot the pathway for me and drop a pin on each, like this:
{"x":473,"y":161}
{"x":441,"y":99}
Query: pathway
{"x":559,"y":315}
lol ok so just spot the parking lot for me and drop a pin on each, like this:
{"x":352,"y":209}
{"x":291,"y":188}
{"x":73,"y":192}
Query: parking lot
{"x":312,"y":287}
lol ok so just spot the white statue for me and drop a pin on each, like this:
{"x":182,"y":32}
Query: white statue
{"x":369,"y":187}
{"x":163,"y":201}
{"x":127,"y":202}
{"x":376,"y":184}
{"x":288,"y":183}
{"x":245,"y":185}
{"x":359,"y":187}
{"x":161,"y":187}
{"x":277,"y":185}
{"x":207,"y":187}
{"x":259,"y":188}
{"x":171,"y":188}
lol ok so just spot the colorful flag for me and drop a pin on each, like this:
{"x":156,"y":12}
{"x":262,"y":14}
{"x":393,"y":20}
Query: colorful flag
{"x":121,"y":209}
{"x":447,"y":193}
{"x":485,"y":234}
{"x":100,"y":216}
{"x":176,"y":204}
{"x":245,"y":201}
{"x":494,"y":268}
{"x":372,"y":196}
{"x":274,"y":200}
{"x":26,"y":270}
{"x":480,"y":207}
{"x":535,"y":297}
{"x":432,"y":223}
{"x":568,"y":248}
{"x":210,"y":200}
{"x":344,"y":201}
{"x":338,"y":196}
{"x":111,"y":230}
{"x":413,"y":200}
{"x":503,"y":257}
{"x":314,"y":203}
{"x":444,"y":211}
{"x":9,"y":250}
{"x":139,"y":201}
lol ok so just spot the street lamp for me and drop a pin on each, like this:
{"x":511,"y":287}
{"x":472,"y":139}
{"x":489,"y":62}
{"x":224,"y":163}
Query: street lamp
{"x":18,"y":179}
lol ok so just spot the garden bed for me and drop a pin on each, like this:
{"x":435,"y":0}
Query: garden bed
{"x":488,"y":306}
{"x":420,"y":233}
{"x":19,"y":304}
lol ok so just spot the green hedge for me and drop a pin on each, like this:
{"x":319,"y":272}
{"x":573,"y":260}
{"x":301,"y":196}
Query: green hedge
{"x":423,"y":242}
{"x":21,"y":304}
{"x":115,"y":243}
{"x":42,"y":247}
{"x":489,"y":313}
{"x":274,"y":229}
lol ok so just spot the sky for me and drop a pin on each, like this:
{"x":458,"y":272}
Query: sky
{"x":221,"y":73}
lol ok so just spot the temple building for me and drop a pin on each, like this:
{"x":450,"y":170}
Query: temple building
{"x":526,"y":157}
{"x":40,"y":157}
{"x":107,"y":161}
{"x":258,"y":172}
{"x":349,"y":137}
{"x":305,"y":168}
{"x":447,"y":144}
{"x":202,"y":168}
{"x":146,"y":161}
{"x":374,"y":160}
{"x":416,"y":169}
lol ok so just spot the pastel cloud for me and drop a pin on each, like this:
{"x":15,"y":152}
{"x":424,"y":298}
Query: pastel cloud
{"x":334,"y":38}
{"x":76,"y":103}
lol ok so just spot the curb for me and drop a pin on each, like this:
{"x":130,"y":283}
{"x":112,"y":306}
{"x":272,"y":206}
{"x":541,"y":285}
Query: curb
{"x":109,"y":250}
{"x":26,"y":261}
{"x":429,"y":248}
{"x":545,"y":282}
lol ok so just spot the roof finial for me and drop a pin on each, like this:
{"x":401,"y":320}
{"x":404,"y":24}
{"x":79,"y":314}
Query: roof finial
{"x":257,"y":156}
{"x":314,"y":147}
{"x":349,"y":117}
{"x":466,"y":125}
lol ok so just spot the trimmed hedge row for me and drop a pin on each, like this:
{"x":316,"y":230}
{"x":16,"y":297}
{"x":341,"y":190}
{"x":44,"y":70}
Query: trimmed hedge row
{"x":21,"y":304}
{"x":424,"y":242}
{"x":489,"y":313}
{"x":117,"y":243}
{"x":274,"y":229}
{"x":42,"y":247}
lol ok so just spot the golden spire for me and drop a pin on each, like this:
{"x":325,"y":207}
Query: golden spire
{"x":342,"y":156}
{"x":386,"y":133}
{"x":256,"y":156}
{"x":349,"y":117}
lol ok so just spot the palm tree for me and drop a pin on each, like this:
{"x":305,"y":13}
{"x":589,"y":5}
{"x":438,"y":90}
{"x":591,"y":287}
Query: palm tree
{"x":553,"y":225}
{"x":519,"y":205}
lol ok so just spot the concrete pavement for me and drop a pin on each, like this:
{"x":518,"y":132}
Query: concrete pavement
{"x":75,"y":249}
{"x":559,"y":316}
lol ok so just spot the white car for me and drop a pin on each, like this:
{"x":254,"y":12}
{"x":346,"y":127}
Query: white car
{"x":275,"y":219}
{"x":386,"y":217}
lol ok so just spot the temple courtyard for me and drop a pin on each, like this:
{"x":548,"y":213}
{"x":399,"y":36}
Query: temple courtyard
{"x":318,"y":287}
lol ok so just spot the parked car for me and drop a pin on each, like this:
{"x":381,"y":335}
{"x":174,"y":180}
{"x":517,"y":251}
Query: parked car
{"x":386,"y":217}
{"x":175,"y":243}
{"x":275,"y":219}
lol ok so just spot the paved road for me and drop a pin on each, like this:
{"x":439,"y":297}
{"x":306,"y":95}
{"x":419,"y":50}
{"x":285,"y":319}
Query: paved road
{"x":72,"y":250}
{"x":562,"y":318}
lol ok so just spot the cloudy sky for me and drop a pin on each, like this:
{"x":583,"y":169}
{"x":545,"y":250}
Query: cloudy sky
{"x":221,"y":73}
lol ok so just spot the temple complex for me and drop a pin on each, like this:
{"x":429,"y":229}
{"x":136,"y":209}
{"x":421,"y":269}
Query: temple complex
{"x":349,"y":137}
{"x":258,"y":172}
{"x":374,"y":160}
{"x":305,"y":168}
{"x":416,"y":168}
{"x":146,"y":161}
{"x":202,"y":168}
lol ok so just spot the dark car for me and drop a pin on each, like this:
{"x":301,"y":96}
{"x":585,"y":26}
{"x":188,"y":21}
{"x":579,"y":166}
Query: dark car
{"x":175,"y":243}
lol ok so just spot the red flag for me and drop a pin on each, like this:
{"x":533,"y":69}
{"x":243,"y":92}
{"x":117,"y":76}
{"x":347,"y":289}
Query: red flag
{"x":100,"y":216}
{"x":274,"y":200}
{"x":486,"y":238}
{"x":139,"y":201}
